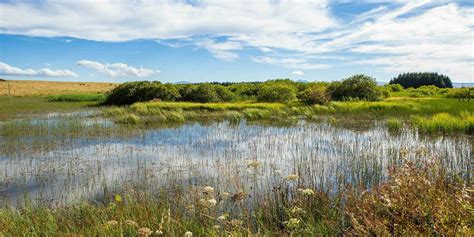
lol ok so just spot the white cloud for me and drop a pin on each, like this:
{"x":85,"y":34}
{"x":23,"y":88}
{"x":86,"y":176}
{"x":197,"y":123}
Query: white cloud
{"x":117,"y":69}
{"x":394,"y":37}
{"x":297,"y":73}
{"x":8,"y":70}
{"x":112,"y":20}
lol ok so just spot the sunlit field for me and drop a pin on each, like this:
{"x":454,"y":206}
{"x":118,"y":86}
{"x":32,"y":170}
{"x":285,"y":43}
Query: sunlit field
{"x":73,"y":166}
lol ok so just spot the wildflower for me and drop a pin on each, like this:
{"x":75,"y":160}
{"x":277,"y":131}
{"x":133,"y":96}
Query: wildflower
{"x":131,"y":223}
{"x":158,"y":232}
{"x":292,"y":177}
{"x":221,"y":218}
{"x":297,"y":210}
{"x":300,"y":190}
{"x":308,"y":192}
{"x":208,"y":190}
{"x":212,"y":202}
{"x":216,"y":227}
{"x":111,"y":223}
{"x":188,"y":234}
{"x":293,"y":223}
{"x":118,"y":198}
{"x":144,"y":232}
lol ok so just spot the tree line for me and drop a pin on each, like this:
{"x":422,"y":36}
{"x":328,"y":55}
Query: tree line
{"x":356,"y":87}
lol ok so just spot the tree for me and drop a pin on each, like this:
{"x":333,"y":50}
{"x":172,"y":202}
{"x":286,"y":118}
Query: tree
{"x":315,"y":95}
{"x":360,"y":87}
{"x":418,"y":79}
{"x":276,"y":92}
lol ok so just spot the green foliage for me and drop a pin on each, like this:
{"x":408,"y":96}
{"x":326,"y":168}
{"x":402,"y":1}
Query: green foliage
{"x":77,"y":98}
{"x":277,"y":92}
{"x":394,"y":125}
{"x":417,"y":79}
{"x":445,"y":123}
{"x":394,"y":87}
{"x":315,"y":95}
{"x":131,"y":92}
{"x":357,"y":87}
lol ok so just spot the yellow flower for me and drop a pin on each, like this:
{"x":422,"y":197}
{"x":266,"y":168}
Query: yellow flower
{"x":144,"y":232}
{"x":293,"y":223}
{"x":308,"y":192}
{"x":297,"y":210}
{"x":118,"y":198}
{"x":292,"y":177}
{"x":188,"y":234}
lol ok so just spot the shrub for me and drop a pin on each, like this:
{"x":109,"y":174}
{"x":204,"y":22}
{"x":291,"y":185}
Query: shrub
{"x":315,"y":95}
{"x":76,"y":97}
{"x":414,"y":201}
{"x":394,"y":87}
{"x":417,"y":79}
{"x":277,"y":92}
{"x":358,"y":87}
{"x":131,"y":92}
{"x":204,"y":93}
{"x":224,"y":93}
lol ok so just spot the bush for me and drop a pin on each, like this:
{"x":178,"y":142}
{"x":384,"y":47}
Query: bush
{"x":277,"y":92}
{"x":358,"y":87}
{"x":76,"y":98}
{"x":415,"y":201}
{"x":315,"y":95}
{"x":394,"y":87}
{"x":417,"y":79}
{"x":224,"y":94}
{"x":131,"y":92}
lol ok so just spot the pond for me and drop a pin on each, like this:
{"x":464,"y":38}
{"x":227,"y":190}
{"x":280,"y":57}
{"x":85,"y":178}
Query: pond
{"x":64,"y":159}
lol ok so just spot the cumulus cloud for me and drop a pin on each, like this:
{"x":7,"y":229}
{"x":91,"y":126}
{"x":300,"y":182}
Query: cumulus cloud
{"x":393,"y":36}
{"x":297,"y":73}
{"x":8,"y":70}
{"x":117,"y":69}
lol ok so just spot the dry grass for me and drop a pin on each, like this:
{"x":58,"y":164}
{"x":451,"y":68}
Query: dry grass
{"x":37,"y":88}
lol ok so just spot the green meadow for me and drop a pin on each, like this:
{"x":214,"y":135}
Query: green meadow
{"x":240,"y":164}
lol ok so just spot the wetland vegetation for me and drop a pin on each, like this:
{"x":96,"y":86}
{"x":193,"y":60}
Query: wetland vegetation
{"x":219,"y":159}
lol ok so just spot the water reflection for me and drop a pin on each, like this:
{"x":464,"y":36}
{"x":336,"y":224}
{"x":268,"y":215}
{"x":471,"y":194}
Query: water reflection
{"x":216,"y":154}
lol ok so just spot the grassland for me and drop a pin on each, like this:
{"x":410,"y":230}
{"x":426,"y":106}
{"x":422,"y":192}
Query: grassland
{"x":415,"y":199}
{"x":43,"y":88}
{"x":418,"y":111}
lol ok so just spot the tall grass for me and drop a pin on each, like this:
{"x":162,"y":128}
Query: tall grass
{"x":413,"y":201}
{"x":446,"y":123}
{"x":76,"y":98}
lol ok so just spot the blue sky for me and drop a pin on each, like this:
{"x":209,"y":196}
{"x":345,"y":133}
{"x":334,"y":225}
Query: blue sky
{"x":200,"y":41}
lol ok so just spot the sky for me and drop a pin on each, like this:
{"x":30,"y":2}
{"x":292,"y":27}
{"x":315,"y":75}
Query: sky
{"x":203,"y":41}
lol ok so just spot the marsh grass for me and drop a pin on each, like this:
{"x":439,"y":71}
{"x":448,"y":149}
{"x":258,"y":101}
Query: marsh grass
{"x":445,"y":123}
{"x":414,"y":200}
{"x":77,"y":98}
{"x":12,"y":107}
{"x":395,"y":108}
